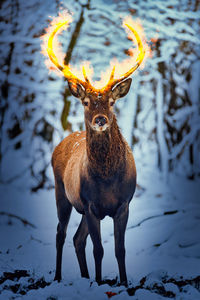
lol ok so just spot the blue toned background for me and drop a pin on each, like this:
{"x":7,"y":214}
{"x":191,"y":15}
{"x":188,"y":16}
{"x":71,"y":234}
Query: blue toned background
{"x":159,"y":118}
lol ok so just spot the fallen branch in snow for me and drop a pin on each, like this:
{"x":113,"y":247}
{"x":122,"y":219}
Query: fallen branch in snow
{"x":16,"y":176}
{"x":166,"y":213}
{"x":188,"y":245}
{"x":39,"y":241}
{"x":24,"y":221}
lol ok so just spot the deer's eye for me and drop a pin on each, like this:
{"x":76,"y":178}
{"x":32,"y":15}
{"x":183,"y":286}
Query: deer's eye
{"x":112,"y":103}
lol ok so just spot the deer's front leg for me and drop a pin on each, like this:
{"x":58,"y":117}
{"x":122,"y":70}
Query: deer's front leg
{"x":94,"y":231}
{"x":120,"y":222}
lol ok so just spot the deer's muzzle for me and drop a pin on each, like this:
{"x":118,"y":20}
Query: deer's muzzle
{"x":100,"y":122}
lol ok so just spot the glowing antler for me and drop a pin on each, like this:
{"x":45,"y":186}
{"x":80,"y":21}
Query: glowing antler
{"x":65,"y":20}
{"x":112,"y":82}
{"x":65,"y":69}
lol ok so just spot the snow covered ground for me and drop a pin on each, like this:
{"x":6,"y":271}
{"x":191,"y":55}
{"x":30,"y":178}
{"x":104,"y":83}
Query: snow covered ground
{"x":162,"y":245}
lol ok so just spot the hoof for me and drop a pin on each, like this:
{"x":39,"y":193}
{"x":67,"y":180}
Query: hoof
{"x":57,"y":278}
{"x":124,"y":283}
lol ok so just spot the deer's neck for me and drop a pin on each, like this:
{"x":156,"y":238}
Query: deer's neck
{"x":105,"y":150}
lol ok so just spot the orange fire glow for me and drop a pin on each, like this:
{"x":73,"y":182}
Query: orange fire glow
{"x":52,"y":49}
{"x":50,"y":44}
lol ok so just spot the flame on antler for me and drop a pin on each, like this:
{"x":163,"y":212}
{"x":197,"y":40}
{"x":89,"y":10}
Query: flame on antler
{"x":119,"y":70}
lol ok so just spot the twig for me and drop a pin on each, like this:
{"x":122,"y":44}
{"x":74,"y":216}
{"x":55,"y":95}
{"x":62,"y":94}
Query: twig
{"x":166,"y":213}
{"x":24,"y":221}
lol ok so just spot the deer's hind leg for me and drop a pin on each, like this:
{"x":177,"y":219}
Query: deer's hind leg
{"x":64,"y":209}
{"x":80,"y":243}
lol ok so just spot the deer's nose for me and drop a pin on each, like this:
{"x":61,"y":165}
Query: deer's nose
{"x":100,"y":120}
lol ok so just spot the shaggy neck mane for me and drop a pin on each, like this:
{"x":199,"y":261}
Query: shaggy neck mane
{"x":105,"y":150}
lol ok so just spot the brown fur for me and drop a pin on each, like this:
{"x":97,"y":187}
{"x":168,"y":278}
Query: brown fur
{"x":95,"y":173}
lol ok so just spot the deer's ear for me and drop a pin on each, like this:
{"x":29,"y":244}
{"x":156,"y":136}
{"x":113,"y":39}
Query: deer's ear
{"x":76,"y":89}
{"x":121,"y":89}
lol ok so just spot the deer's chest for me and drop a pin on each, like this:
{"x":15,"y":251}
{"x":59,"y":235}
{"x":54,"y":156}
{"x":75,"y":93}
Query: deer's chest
{"x":105,"y":196}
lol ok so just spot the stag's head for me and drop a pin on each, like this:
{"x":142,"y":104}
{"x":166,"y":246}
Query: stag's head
{"x":98,"y":103}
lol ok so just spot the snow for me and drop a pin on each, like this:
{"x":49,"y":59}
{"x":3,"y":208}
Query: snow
{"x":166,"y":245}
{"x":161,"y":112}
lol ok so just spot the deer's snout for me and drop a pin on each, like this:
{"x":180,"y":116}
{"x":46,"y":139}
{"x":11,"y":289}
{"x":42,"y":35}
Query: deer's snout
{"x":100,"y":120}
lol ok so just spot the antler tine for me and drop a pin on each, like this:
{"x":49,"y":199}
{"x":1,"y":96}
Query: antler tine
{"x":138,"y":61}
{"x":84,"y":74}
{"x":126,"y":75}
{"x":112,"y":74}
{"x":87,"y":82}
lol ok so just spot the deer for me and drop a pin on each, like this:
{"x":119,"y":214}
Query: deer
{"x":94,"y":170}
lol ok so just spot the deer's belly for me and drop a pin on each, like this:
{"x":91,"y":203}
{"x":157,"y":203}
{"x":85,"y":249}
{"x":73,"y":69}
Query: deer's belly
{"x":105,"y":198}
{"x":75,"y":200}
